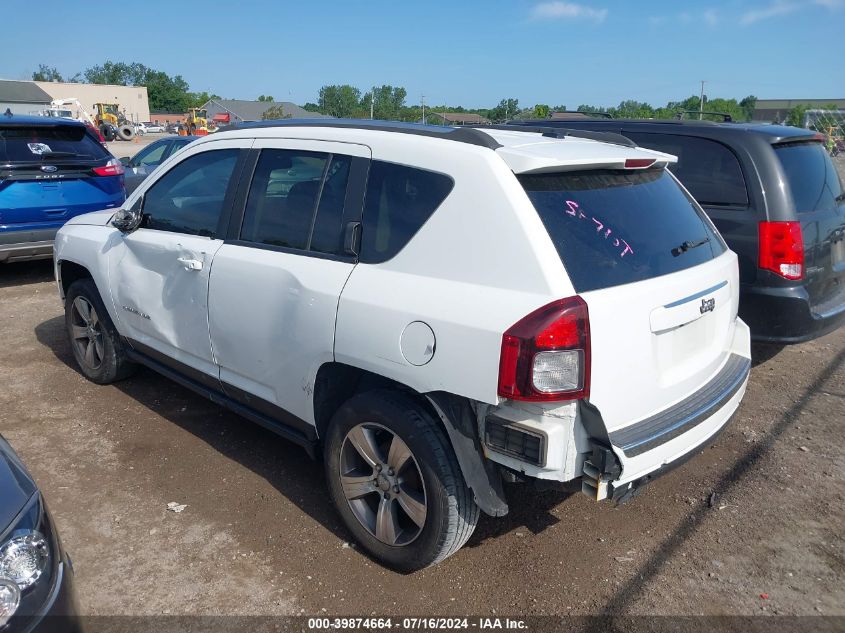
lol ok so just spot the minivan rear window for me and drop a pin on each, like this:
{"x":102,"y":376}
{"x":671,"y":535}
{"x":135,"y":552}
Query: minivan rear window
{"x":812,"y":178}
{"x":708,"y":169}
{"x":613,"y":227}
{"x":26,"y":144}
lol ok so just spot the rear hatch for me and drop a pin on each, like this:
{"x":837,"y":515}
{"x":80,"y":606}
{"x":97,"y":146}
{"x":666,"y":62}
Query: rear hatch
{"x":660,"y":285}
{"x":47,"y":175}
{"x":819,"y":202}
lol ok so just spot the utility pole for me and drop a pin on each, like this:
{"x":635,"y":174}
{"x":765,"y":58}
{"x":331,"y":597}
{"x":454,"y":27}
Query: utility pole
{"x":701,"y":102}
{"x":422,"y":100}
{"x":372,"y":101}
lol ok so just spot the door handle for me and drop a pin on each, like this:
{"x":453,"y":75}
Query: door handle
{"x":190,"y":264}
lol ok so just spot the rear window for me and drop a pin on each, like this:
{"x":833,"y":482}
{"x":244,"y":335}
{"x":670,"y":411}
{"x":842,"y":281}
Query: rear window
{"x":613,"y":227}
{"x":36,"y":143}
{"x":812,"y":178}
{"x":708,"y":169}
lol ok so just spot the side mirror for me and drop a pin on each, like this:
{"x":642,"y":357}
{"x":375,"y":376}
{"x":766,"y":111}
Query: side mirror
{"x":125,"y":160}
{"x":127,"y":220}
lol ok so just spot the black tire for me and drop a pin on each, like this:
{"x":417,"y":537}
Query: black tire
{"x":95,"y":343}
{"x":106,"y":132}
{"x":451,"y":513}
{"x":126,"y":132}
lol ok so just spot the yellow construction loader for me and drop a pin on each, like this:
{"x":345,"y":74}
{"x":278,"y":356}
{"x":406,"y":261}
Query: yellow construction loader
{"x":196,"y":122}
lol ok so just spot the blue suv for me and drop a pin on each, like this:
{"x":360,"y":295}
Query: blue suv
{"x":50,"y":171}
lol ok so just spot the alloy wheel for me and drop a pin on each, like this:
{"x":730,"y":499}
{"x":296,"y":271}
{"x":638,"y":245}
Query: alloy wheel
{"x":383,"y":484}
{"x":87,"y":333}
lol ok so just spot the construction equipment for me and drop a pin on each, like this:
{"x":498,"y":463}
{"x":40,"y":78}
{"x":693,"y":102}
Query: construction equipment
{"x":109,"y":114}
{"x":196,"y":122}
{"x":108,"y":120}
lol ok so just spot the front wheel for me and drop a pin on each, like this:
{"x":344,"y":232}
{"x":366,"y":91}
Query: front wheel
{"x":395,"y":481}
{"x":96,"y":345}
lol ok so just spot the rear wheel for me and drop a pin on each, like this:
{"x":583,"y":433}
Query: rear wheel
{"x":96,"y":345}
{"x":396,"y":482}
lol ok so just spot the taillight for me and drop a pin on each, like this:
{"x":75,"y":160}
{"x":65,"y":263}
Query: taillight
{"x":781,"y":249}
{"x":112,"y":168}
{"x":546,"y":355}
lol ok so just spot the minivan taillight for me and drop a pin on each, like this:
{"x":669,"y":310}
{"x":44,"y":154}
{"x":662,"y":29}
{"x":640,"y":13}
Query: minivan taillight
{"x":781,"y":249}
{"x":546,"y":355}
{"x":112,"y":168}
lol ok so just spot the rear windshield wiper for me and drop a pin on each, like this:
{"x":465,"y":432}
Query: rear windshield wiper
{"x":683,"y":248}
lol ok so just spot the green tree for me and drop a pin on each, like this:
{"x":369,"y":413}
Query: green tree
{"x":265,"y":98}
{"x":389,"y":102}
{"x":339,"y":100}
{"x":507,"y":109}
{"x":748,"y":104}
{"x":542,"y":111}
{"x":199,"y":99}
{"x":165,"y":92}
{"x":311,"y":107}
{"x":46,"y":73}
{"x":275,"y":112}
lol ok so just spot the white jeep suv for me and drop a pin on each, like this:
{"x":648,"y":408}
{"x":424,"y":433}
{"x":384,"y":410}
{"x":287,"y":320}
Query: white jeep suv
{"x":434,"y":310}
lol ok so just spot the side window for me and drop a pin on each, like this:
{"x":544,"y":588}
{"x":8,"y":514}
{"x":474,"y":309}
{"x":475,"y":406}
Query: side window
{"x":151,"y":156}
{"x":189,"y":198}
{"x":707,"y":168}
{"x":283,"y":197}
{"x":399,"y":200}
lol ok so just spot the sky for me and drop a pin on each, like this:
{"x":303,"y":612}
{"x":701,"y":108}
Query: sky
{"x":465,"y":52}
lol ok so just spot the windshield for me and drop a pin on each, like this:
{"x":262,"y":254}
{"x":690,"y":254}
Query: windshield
{"x":613,"y":227}
{"x":811,"y":176}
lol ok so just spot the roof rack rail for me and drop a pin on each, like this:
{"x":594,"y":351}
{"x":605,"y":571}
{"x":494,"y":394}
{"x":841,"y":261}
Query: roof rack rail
{"x":562,"y":132}
{"x":726,"y":118}
{"x":463,"y":134}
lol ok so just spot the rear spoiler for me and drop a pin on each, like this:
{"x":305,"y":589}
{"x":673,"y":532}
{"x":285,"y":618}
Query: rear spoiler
{"x":562,"y":132}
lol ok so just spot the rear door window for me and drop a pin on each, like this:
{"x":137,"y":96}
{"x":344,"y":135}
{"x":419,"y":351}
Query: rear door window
{"x":297,"y":200}
{"x":813,"y":180}
{"x":399,"y":200}
{"x":708,"y":169}
{"x":27,"y":144}
{"x":613,"y":227}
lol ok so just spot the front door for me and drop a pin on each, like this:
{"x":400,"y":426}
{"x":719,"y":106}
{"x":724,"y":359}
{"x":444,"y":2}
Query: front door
{"x":158,"y":274}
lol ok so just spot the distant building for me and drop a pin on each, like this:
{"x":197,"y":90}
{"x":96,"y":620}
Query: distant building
{"x":776,"y":110}
{"x":22,"y":97}
{"x":163,"y":118}
{"x":458,"y":118}
{"x":232,"y":111}
{"x":29,"y":97}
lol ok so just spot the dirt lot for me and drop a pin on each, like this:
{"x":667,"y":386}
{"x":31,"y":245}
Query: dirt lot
{"x":258,"y":535}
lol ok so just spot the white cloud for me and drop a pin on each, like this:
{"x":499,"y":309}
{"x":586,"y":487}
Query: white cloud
{"x":711,"y":17}
{"x":566,"y":11}
{"x":785,"y":7}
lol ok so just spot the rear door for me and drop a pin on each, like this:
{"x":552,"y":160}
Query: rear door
{"x":660,"y":285}
{"x":47,"y":177}
{"x":819,"y":204}
{"x":275,"y":284}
